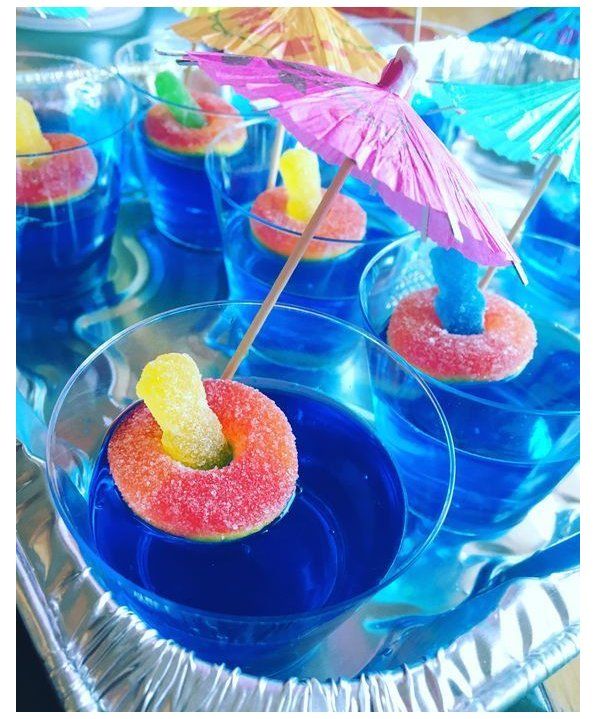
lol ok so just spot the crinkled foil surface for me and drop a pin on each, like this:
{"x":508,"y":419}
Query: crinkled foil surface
{"x":482,"y":655}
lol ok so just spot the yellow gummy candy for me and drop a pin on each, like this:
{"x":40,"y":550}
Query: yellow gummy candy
{"x":172,"y":389}
{"x":299,"y":169}
{"x":29,"y":138}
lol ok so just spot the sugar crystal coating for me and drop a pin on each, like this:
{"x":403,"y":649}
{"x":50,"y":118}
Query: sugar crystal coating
{"x":164,"y":130}
{"x":459,"y":303}
{"x":299,"y":169}
{"x":57,"y":178}
{"x":501,"y":351}
{"x":172,"y":388}
{"x":220,"y":503}
{"x":346,"y":220}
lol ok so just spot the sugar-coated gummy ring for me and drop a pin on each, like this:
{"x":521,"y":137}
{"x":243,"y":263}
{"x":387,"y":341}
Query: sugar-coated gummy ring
{"x":345,"y":219}
{"x":164,"y":130}
{"x":500,"y":352}
{"x":216,"y":504}
{"x":56,"y":178}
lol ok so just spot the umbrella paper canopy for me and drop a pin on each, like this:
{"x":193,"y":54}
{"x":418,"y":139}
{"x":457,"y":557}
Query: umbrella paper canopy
{"x":319,"y":36}
{"x":62,"y":12}
{"x":554,"y":29}
{"x":392,"y":149}
{"x":524,"y":123}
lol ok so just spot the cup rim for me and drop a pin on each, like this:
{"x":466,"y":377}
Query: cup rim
{"x":336,"y":608}
{"x":210,"y":158}
{"x":440,"y":384}
{"x":551,"y":240}
{"x":105,"y":71}
{"x":153,"y":39}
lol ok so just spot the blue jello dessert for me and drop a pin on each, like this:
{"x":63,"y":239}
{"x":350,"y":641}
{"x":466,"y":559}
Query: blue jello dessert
{"x":172,"y":138}
{"x":67,"y":200}
{"x":337,"y":539}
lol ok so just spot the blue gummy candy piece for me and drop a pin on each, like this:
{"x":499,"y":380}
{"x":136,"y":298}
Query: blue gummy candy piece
{"x":459,"y":303}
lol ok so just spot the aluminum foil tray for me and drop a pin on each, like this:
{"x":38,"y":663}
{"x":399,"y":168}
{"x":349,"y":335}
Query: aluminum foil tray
{"x":503,"y":614}
{"x":500,"y":618}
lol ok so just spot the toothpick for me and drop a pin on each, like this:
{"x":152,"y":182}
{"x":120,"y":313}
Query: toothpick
{"x":288,"y":269}
{"x":417,"y":25}
{"x":539,"y":190}
{"x":278,"y":142}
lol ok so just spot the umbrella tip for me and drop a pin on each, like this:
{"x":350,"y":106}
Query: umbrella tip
{"x":168,"y":53}
{"x":521,"y":273}
{"x":399,"y":72}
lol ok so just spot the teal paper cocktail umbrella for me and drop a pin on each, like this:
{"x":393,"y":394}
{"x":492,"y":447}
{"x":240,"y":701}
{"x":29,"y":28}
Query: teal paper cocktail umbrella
{"x":67,"y":13}
{"x":554,"y":29}
{"x":524,"y":123}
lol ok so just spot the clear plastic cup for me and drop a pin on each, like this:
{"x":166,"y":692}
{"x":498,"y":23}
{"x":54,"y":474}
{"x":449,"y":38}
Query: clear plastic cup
{"x":68,"y":198}
{"x":514,"y":439}
{"x":216,"y":622}
{"x":174,"y":178}
{"x":328,"y":283}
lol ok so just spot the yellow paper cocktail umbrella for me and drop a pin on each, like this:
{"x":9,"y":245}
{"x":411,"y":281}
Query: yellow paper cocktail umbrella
{"x":316,"y":35}
{"x":196,"y":11}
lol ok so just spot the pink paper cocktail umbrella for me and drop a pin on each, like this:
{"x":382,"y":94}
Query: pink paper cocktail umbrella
{"x":371,"y":132}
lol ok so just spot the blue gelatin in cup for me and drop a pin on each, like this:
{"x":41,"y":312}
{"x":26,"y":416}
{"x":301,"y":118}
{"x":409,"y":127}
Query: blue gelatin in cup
{"x":68,"y":199}
{"x":329,"y":284}
{"x":509,"y":454}
{"x":338,"y":538}
{"x":557,"y":213}
{"x":358,"y":521}
{"x":179,"y":192}
{"x":515,"y":439}
{"x":64,"y":244}
{"x":170,"y":155}
{"x":64,"y":247}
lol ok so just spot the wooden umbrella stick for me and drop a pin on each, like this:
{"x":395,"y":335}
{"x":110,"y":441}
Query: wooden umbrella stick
{"x":278,"y":142}
{"x":188,"y":68}
{"x":417,"y":25}
{"x":552,"y":167}
{"x":287,"y":270}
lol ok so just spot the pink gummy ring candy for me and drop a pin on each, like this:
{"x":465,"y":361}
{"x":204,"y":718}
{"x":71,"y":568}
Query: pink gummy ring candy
{"x":164,"y":130}
{"x":346,"y":220}
{"x":501,"y":351}
{"x":56,"y":178}
{"x":215,"y":504}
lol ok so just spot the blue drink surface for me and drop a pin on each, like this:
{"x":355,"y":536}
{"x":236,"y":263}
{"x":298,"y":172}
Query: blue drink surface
{"x":180,"y":194}
{"x":337,"y":539}
{"x":514,"y":441}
